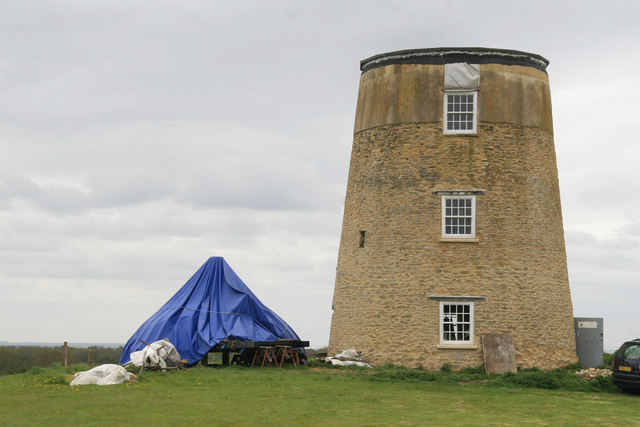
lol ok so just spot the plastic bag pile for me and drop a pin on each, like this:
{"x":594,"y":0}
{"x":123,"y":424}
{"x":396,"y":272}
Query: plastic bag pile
{"x":156,"y":355}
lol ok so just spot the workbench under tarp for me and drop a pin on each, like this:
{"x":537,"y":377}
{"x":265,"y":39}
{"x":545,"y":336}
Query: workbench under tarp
{"x":242,"y":352}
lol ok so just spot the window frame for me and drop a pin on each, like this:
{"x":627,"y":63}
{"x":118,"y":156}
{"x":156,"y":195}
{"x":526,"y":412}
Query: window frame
{"x":441,"y":323}
{"x":445,"y":118}
{"x":446,"y":197}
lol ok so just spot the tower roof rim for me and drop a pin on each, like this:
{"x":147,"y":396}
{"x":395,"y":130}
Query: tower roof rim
{"x":445,"y":55}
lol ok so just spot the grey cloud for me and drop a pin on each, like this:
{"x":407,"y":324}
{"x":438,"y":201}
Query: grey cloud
{"x":632,"y":229}
{"x":614,"y":254}
{"x":58,"y":198}
{"x":273,"y":183}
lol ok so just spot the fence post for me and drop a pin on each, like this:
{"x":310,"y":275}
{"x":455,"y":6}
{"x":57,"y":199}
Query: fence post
{"x":66,"y":355}
{"x":90,"y":356}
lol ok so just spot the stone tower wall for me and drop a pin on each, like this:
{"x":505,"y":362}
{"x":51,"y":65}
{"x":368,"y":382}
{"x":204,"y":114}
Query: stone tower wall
{"x":516,"y":264}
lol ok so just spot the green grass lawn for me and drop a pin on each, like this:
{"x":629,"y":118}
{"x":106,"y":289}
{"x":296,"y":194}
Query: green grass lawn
{"x":302,"y":396}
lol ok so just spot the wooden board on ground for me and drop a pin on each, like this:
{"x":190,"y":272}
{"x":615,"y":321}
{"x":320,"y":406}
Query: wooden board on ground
{"x":499,"y":353}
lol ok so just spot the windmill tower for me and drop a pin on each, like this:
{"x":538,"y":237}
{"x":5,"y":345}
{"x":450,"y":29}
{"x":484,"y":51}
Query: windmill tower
{"x":452,"y":223}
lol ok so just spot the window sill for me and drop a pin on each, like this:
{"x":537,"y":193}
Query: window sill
{"x":457,"y":347}
{"x":473,"y":135}
{"x":454,"y":240}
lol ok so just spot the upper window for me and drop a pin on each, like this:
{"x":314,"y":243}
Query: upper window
{"x":459,"y":216}
{"x":460,"y":112}
{"x":456,"y":322}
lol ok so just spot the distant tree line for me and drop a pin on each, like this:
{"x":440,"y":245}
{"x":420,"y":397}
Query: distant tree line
{"x":15,"y":360}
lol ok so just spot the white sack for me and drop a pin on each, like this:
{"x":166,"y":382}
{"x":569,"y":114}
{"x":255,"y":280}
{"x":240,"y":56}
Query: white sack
{"x":338,"y":362}
{"x":350,"y":354}
{"x":348,"y":357}
{"x":461,"y":75}
{"x":108,"y":374}
{"x":155,"y":354}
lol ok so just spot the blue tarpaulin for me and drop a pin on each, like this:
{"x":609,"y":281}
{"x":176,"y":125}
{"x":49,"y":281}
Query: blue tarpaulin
{"x":213,"y":305}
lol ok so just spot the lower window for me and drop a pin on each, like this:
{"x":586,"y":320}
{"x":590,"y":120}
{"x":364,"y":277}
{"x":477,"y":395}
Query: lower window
{"x":456,"y":322}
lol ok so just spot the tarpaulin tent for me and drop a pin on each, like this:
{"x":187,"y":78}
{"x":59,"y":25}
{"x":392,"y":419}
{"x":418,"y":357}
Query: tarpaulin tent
{"x":213,"y":305}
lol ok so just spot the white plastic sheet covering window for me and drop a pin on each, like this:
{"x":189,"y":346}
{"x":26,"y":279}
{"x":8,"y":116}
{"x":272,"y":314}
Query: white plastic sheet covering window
{"x":108,"y":374}
{"x":156,"y":354}
{"x":461,"y":75}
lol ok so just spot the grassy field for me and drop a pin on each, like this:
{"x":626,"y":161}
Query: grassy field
{"x":302,"y":396}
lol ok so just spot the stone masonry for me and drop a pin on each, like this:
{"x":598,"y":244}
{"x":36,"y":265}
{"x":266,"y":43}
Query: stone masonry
{"x":394,"y":263}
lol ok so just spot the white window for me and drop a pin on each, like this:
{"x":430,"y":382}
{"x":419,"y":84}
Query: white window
{"x":460,"y":112}
{"x":456,"y":322}
{"x":459,"y":216}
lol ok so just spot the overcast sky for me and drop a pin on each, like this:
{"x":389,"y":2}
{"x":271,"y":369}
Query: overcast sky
{"x":138,"y":138}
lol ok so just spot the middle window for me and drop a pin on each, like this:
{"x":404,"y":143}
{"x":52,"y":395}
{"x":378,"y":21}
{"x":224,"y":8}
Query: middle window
{"x":459,"y":216}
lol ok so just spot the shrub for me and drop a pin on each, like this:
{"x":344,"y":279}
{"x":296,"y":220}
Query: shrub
{"x":402,"y":374}
{"x":473,"y":370}
{"x":574,"y":367}
{"x":607,"y":359}
{"x":530,"y":379}
{"x":602,"y":384}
